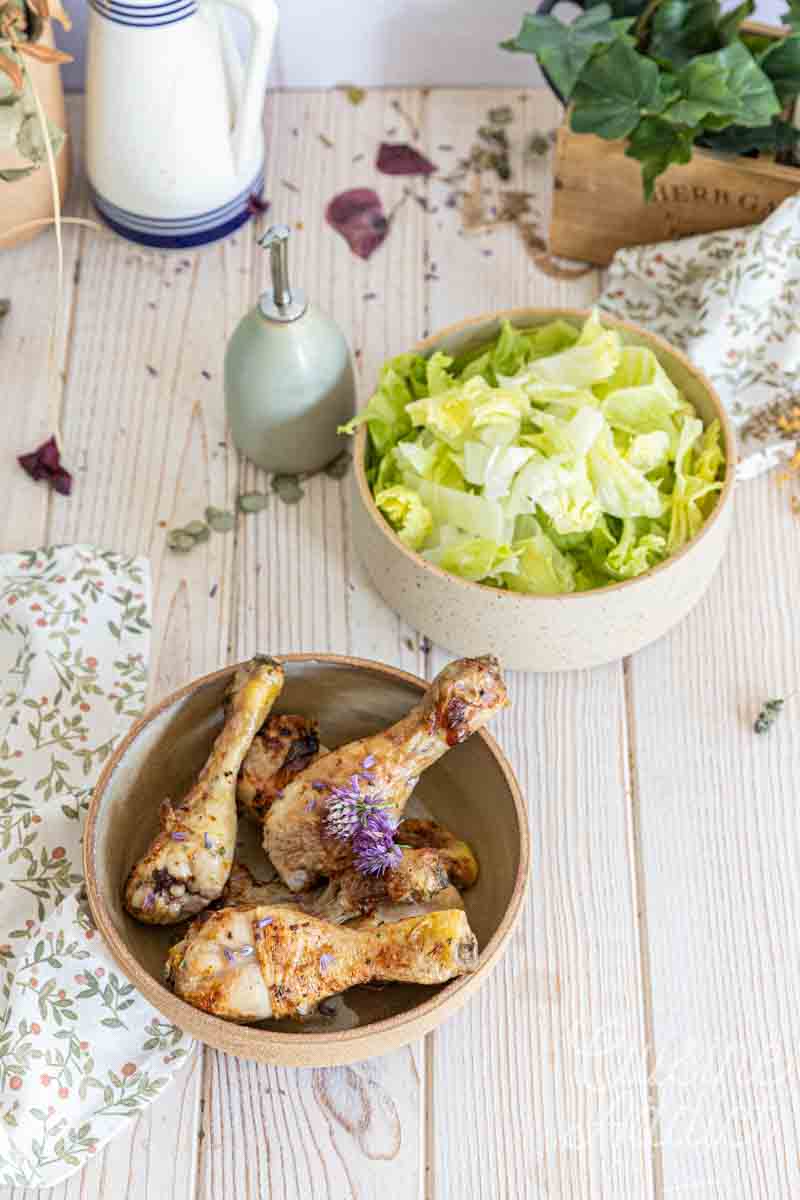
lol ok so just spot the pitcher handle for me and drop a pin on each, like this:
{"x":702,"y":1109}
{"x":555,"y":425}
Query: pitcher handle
{"x":263,"y":17}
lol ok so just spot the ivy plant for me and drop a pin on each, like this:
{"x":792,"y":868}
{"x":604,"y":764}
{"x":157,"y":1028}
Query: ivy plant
{"x":669,"y":74}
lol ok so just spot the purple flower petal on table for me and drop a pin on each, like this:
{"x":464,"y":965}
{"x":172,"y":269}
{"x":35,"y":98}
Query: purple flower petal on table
{"x":319,"y":785}
{"x":177,"y":836}
{"x":45,"y":463}
{"x":246,"y":951}
{"x":231,"y":957}
{"x":369,"y":761}
{"x":398,"y":158}
{"x":358,"y":216}
{"x":310,"y":805}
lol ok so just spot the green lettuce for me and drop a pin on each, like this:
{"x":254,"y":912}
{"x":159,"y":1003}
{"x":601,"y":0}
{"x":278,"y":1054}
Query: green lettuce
{"x":552,"y":460}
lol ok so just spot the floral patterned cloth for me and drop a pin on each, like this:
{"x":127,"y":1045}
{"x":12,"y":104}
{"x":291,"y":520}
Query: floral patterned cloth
{"x":730,"y":301}
{"x":80,"y":1051}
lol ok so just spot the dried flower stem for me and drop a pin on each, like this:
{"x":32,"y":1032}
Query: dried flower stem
{"x":55,"y":405}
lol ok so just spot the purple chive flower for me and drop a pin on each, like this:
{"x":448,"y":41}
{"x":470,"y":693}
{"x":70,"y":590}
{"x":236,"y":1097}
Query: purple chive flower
{"x":374,"y":851}
{"x":310,"y":805}
{"x":148,"y":902}
{"x":231,"y":957}
{"x":264,"y":921}
{"x":326,"y":961}
{"x":245,"y":951}
{"x":319,"y":785}
{"x":207,"y":842}
{"x":177,"y":836}
{"x":369,"y":761}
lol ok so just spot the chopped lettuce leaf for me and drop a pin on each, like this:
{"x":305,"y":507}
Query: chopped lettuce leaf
{"x":468,"y":512}
{"x":542,"y":567}
{"x":620,"y":489}
{"x":472,"y":558}
{"x":406,"y":514}
{"x":648,"y":451}
{"x":493,"y":467}
{"x":594,"y":357}
{"x":635,"y":553}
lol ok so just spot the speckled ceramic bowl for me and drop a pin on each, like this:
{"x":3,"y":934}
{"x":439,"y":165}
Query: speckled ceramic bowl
{"x":538,"y":632}
{"x":472,"y":790}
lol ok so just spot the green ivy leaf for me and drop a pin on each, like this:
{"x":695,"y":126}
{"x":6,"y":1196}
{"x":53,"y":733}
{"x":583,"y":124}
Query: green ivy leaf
{"x":781,"y":62}
{"x":792,"y":15}
{"x":657,"y":144}
{"x":682,"y":29}
{"x":738,"y":139}
{"x":617,"y":87}
{"x":724,"y":88}
{"x":564,"y":50}
{"x":730,"y":21}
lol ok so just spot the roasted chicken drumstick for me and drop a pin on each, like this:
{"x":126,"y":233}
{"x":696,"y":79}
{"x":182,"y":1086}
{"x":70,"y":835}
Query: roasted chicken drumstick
{"x":380,"y":771}
{"x":284,"y":746}
{"x":188,"y":862}
{"x":418,"y":877}
{"x":262,"y":962}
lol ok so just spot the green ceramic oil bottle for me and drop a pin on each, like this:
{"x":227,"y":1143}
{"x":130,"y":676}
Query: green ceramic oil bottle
{"x":289,"y":379}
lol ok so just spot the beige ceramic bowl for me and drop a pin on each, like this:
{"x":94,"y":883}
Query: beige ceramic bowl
{"x":472,"y":790}
{"x":546,"y":633}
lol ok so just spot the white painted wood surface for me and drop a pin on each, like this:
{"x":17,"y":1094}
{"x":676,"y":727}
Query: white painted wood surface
{"x":640,"y":1037}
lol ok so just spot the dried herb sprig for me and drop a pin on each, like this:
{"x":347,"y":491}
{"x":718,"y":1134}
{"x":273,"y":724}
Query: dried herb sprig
{"x":770,"y":711}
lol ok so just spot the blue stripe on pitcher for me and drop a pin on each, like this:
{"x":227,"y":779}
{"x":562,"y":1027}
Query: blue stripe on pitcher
{"x":174,"y":233}
{"x":145,"y":16}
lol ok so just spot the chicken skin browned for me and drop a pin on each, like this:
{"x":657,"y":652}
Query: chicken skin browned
{"x":456,"y":856}
{"x":418,"y":878}
{"x":267,"y":961}
{"x":383,"y":767}
{"x":284,"y":746}
{"x":188,"y":862}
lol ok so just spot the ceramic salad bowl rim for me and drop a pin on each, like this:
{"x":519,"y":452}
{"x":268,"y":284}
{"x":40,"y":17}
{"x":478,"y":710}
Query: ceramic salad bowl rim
{"x":518,"y":317}
{"x":236,"y":1038}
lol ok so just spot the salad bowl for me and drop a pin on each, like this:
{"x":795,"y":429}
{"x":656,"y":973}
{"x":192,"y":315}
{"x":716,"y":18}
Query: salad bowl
{"x":545,"y":631}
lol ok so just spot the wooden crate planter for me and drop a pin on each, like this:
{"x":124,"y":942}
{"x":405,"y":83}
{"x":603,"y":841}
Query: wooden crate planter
{"x":598,"y":205}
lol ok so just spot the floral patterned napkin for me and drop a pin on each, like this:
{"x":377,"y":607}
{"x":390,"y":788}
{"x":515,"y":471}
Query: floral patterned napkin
{"x":80,"y":1051}
{"x":730,"y":301}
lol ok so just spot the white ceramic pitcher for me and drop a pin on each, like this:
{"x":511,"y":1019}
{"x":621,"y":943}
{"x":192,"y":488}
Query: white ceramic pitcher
{"x":175,"y":146}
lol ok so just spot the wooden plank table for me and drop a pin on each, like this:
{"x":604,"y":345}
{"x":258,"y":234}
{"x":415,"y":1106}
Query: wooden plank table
{"x":641,"y":1036}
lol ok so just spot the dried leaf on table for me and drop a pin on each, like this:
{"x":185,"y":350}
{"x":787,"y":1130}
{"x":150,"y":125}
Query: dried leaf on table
{"x":256,"y":206}
{"x":358,"y":216}
{"x":252,"y":502}
{"x":220,"y":519}
{"x":45,"y":463}
{"x":5,"y":307}
{"x":398,"y":158}
{"x":45,"y":54}
{"x":354,"y":94}
{"x":12,"y":69}
{"x":287,"y":488}
{"x":338,"y":467}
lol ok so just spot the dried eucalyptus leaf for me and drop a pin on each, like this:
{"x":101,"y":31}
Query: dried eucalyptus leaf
{"x":338,"y":467}
{"x":253,"y":502}
{"x":198,"y":530}
{"x":14,"y":173}
{"x":220,"y":519}
{"x":288,"y":488}
{"x":180,"y":541}
{"x":30,"y":139}
{"x":11,"y":116}
{"x":500,"y":116}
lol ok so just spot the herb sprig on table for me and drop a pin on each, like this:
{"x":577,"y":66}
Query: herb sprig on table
{"x":669,"y":74}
